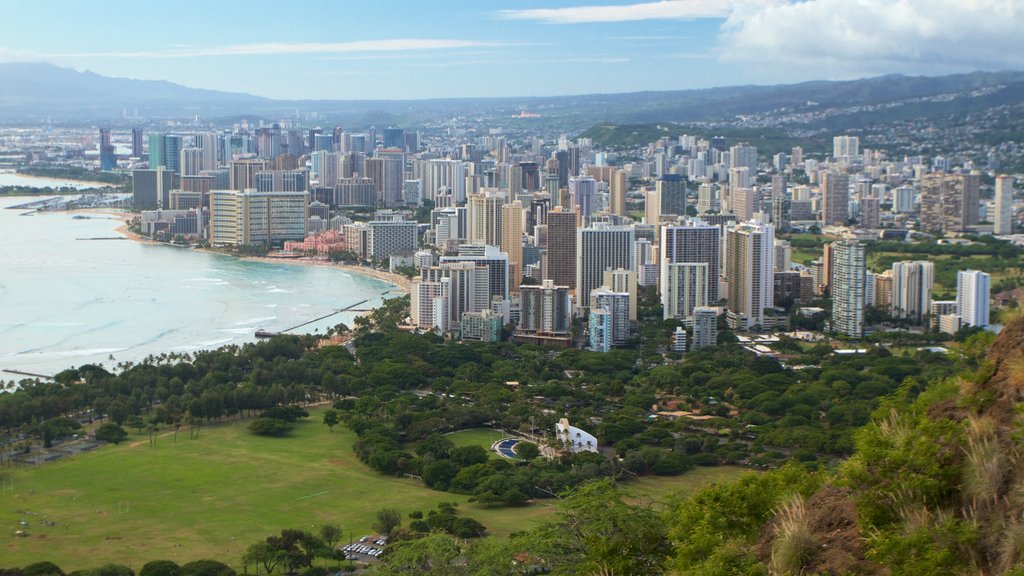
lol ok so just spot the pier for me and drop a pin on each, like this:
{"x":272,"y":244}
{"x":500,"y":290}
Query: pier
{"x":30,"y":374}
{"x":351,"y":308}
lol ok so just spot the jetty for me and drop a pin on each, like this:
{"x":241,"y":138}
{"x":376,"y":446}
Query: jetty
{"x":261,"y":333}
{"x":29,"y":374}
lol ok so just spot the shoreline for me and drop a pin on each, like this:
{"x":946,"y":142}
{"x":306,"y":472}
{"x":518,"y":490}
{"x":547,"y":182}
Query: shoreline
{"x":400,"y":282}
{"x":67,"y":182}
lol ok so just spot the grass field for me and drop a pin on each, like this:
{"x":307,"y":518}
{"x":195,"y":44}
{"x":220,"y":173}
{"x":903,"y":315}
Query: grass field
{"x":213,"y":496}
{"x":483,"y":437}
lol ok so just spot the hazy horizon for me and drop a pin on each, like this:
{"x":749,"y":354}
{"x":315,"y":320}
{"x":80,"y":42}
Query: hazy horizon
{"x":413,"y":51}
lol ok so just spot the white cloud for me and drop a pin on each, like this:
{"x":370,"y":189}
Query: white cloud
{"x":847,"y":38}
{"x":662,"y":10}
{"x":292,"y":48}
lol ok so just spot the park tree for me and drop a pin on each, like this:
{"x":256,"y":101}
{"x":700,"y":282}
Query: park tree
{"x":432,"y":555}
{"x":42,"y":569}
{"x":160,"y":568}
{"x":387,"y":520}
{"x":206,"y":568}
{"x":270,"y":427}
{"x":527,"y":451}
{"x":331,"y":419}
{"x":330,"y":534}
{"x":111,"y":432}
{"x":263,"y":554}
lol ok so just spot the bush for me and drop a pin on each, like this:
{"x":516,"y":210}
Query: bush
{"x":42,"y":569}
{"x":112,"y":433}
{"x":160,"y":568}
{"x":285,"y":413}
{"x":270,"y":427}
{"x":206,"y":568}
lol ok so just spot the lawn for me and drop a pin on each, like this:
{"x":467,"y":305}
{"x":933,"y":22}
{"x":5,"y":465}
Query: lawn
{"x":213,"y":496}
{"x":483,"y":437}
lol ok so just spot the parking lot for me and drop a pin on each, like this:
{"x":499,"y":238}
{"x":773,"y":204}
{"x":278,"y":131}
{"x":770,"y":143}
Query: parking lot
{"x":367,"y":549}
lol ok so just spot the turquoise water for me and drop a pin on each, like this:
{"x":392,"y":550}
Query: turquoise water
{"x":67,"y":302}
{"x":8,"y":178}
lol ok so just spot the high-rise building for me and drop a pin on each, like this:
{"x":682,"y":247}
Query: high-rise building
{"x":617,"y":192}
{"x":355,"y":192}
{"x":743,"y":155}
{"x":251,"y":217}
{"x":151,"y":189}
{"x":389,"y":237}
{"x":1004,"y":205}
{"x":705,"y":327}
{"x":869,"y":211}
{"x":394,"y":138}
{"x":845,"y":148}
{"x":835,"y":195}
{"x":108,"y":155}
{"x":749,"y":265}
{"x":441,"y":173}
{"x":281,"y":180}
{"x":561,"y":256}
{"x":618,"y":327}
{"x":685,"y":288}
{"x":912,"y":283}
{"x":243,"y":173}
{"x":949,"y":202}
{"x":707,"y":198}
{"x":692,"y":242}
{"x":512,"y":241}
{"x":972,"y":297}
{"x":164,"y":150}
{"x":491,"y":257}
{"x":672,"y":194}
{"x":465,"y":288}
{"x":484,"y":211}
{"x":599,"y":248}
{"x":387,"y":178}
{"x":783,"y":256}
{"x":903,"y":199}
{"x":744,"y":203}
{"x":545,"y":309}
{"x":848,"y":298}
{"x":137,"y":143}
{"x":626,"y":281}
{"x":583,"y":190}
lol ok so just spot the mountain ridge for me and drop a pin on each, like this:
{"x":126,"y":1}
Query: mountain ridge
{"x":37,"y":90}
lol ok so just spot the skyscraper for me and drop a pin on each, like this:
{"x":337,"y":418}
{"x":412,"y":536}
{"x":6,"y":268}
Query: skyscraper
{"x":583,"y":190}
{"x":685,"y":288}
{"x":1004,"y":205}
{"x":617,"y":192}
{"x":835,"y":195}
{"x":599,"y":248}
{"x":949,"y":202}
{"x":848,"y":277}
{"x":672,"y":194}
{"x":692,"y":242}
{"x":705,"y":327}
{"x":512,"y":241}
{"x":743,"y":155}
{"x":491,"y":257}
{"x":972,"y":296}
{"x":108,"y":157}
{"x":845,"y":148}
{"x":912,"y":289}
{"x":749,"y":265}
{"x":484,"y":211}
{"x":137,"y":145}
{"x":561,"y":257}
{"x":545,"y":309}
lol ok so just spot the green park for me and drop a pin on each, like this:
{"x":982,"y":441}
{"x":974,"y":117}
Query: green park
{"x":213,"y":495}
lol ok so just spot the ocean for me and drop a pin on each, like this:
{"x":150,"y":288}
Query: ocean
{"x":66,"y":301}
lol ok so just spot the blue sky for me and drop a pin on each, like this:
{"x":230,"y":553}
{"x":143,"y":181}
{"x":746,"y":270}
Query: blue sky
{"x":426,"y":49}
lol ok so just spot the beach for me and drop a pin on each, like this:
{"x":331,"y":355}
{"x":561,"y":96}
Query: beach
{"x":401,"y":282}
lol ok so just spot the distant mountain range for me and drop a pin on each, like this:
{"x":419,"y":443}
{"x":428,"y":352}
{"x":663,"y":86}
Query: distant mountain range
{"x":35,"y":91}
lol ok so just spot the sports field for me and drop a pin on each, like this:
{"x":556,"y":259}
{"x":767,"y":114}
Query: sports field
{"x":213,"y":496}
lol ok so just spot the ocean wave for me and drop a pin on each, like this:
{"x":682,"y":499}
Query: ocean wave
{"x":235,"y":330}
{"x":255,"y":320}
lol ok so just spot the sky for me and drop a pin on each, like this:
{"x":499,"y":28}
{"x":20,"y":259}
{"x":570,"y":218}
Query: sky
{"x":389,"y":49}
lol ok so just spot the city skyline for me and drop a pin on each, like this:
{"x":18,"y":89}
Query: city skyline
{"x":394,"y":50}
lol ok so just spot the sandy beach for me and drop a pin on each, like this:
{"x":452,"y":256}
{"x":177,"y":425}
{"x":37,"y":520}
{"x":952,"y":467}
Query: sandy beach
{"x":401,"y":282}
